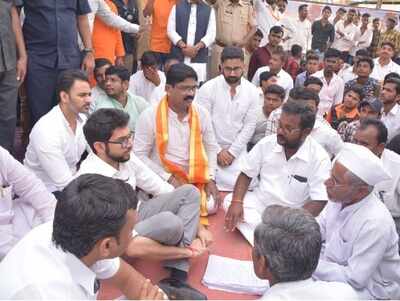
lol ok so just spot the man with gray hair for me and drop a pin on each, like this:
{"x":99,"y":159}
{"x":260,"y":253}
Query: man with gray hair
{"x":287,"y":244}
{"x":361,"y":242}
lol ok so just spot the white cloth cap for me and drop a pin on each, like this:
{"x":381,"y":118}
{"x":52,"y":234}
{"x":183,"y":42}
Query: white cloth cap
{"x":363,"y":163}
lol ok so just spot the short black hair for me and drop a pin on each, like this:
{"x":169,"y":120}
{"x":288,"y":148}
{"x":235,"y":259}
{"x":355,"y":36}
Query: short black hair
{"x":312,"y":56}
{"x":67,"y":78}
{"x":394,"y":144}
{"x":120,"y":71}
{"x":391,"y":75}
{"x":90,"y":208}
{"x":259,"y":33}
{"x":277,"y":90}
{"x":231,"y":53}
{"x":276,"y":29}
{"x":341,"y":9}
{"x":390,"y":44}
{"x":307,"y":116}
{"x":352,"y":10}
{"x":365,"y":59}
{"x":376,"y":19}
{"x":365,"y":15}
{"x":149,"y":59}
{"x":356,"y":88}
{"x":301,"y":94}
{"x":101,"y":124}
{"x":312,"y":80}
{"x":332,"y":52}
{"x":302,"y":6}
{"x":100,"y":62}
{"x":281,"y":53}
{"x":179,"y":72}
{"x":327,"y":7}
{"x":362,"y":52}
{"x":296,"y":50}
{"x":266,"y":75}
{"x":378,"y":125}
{"x":396,"y":82}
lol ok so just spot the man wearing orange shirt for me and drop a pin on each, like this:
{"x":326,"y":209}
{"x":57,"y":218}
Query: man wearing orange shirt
{"x":159,"y":41}
{"x":107,"y":40}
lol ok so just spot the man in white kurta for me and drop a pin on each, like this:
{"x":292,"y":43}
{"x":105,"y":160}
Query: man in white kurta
{"x":232,"y":102}
{"x":294,"y":181}
{"x":24,"y":202}
{"x":361,"y":243}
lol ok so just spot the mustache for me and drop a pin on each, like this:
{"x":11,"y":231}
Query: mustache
{"x":189,"y":98}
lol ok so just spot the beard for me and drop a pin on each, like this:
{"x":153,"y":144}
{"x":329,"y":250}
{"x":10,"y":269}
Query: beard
{"x":286,"y":144}
{"x":120,"y":158}
{"x":232,"y":79}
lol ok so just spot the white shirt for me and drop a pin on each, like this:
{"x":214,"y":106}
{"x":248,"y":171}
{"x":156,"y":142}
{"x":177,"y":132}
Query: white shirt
{"x":362,"y":41}
{"x":178,"y":148}
{"x":389,"y":191}
{"x":287,"y":182}
{"x":134,"y":172}
{"x":331,"y":94}
{"x":262,"y":120}
{"x":233,"y":118}
{"x":208,"y":39}
{"x":310,"y":290}
{"x":37,"y":269}
{"x":326,"y":136}
{"x":283,"y":79}
{"x":266,"y":18}
{"x":302,"y":34}
{"x":348,"y":74}
{"x":346,"y":42}
{"x":100,"y":9}
{"x":19,"y":185}
{"x":139,"y":85}
{"x":380,"y":71}
{"x":392,"y":121}
{"x":54,"y":149}
{"x":361,"y":248}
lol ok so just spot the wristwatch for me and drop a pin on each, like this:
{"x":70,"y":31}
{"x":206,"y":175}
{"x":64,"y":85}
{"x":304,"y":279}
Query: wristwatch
{"x":87,"y":50}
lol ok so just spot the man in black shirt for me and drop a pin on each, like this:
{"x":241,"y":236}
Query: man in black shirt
{"x":322,"y":31}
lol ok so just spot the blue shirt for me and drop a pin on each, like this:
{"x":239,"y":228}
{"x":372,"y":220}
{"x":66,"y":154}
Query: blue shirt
{"x":51,"y":31}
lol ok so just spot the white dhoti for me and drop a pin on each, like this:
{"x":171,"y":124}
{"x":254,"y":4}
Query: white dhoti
{"x":253,"y":209}
{"x":17,"y":218}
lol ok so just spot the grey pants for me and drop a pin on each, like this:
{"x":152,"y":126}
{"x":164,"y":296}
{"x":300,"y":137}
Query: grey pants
{"x":171,"y":219}
{"x":8,"y":108}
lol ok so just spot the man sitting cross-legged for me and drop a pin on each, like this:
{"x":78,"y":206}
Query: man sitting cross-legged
{"x":170,"y":216}
{"x":287,"y":244}
{"x":291,"y":167}
{"x":175,"y":138}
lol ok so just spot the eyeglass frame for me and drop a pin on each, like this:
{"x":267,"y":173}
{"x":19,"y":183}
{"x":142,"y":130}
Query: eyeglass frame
{"x":126,"y":140}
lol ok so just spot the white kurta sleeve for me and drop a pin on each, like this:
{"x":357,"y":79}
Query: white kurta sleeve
{"x":210,"y":142}
{"x":367,"y":252}
{"x":101,"y":9}
{"x":145,"y":142}
{"x":171,"y":27}
{"x":250,"y":163}
{"x":107,"y":268}
{"x":209,"y":38}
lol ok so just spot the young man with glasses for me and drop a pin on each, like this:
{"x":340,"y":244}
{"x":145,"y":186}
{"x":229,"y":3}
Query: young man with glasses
{"x":291,"y":168}
{"x":168,"y":217}
{"x":232,"y":103}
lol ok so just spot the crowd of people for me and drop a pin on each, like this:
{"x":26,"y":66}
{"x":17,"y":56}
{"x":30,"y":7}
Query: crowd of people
{"x":289,"y":126}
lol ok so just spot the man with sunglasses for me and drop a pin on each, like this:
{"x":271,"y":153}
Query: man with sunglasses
{"x":361,"y":243}
{"x":291,"y":168}
{"x":168,"y":217}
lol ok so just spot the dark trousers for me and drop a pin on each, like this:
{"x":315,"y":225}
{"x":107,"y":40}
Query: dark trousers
{"x":8,"y":108}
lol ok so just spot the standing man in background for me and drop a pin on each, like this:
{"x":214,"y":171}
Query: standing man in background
{"x":302,"y":33}
{"x":323,"y":32}
{"x":235,"y":27}
{"x":12,"y":69}
{"x":50,"y":31}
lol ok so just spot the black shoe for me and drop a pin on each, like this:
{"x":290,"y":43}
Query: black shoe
{"x":178,"y":290}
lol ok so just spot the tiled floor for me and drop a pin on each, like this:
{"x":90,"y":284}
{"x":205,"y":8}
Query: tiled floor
{"x":228,"y":244}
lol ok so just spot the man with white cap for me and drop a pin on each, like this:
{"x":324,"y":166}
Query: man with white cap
{"x":359,"y":233}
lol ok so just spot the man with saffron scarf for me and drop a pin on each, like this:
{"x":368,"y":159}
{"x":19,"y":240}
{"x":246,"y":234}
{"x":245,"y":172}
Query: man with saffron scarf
{"x":175,"y":138}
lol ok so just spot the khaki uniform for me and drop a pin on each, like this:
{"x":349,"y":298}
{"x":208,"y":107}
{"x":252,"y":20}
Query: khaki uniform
{"x":234,"y":21}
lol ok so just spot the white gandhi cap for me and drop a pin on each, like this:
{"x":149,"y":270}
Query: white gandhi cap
{"x":363,"y":163}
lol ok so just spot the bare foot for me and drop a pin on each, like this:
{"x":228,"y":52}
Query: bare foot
{"x":197,"y":248}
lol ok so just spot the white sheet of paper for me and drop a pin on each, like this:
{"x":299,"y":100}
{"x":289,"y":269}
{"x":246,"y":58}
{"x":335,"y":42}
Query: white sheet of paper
{"x":233,"y":275}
